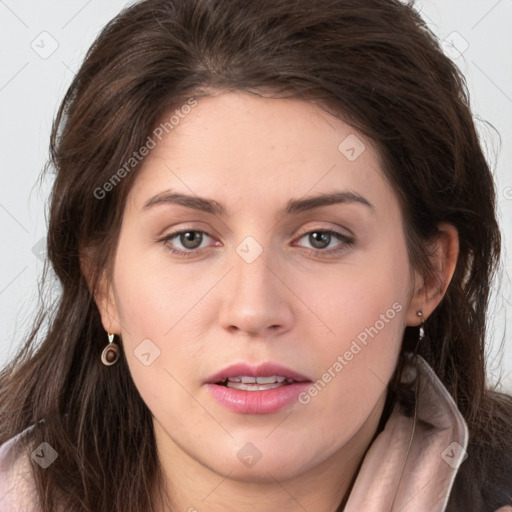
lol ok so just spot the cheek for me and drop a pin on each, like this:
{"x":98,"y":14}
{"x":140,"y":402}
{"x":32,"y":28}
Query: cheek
{"x":152,"y":293}
{"x":365,"y":331}
{"x":365,"y":296}
{"x":363,"y":307}
{"x":158,"y":306}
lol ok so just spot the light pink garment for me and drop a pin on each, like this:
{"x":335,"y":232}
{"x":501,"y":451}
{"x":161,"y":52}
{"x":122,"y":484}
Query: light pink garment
{"x":17,"y":490}
{"x":410,"y":467}
{"x":395,"y":477}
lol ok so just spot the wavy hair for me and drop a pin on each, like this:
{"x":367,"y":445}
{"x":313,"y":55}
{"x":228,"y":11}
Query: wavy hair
{"x":374,"y":64}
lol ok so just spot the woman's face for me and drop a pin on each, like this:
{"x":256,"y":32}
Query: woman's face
{"x":259,"y":282}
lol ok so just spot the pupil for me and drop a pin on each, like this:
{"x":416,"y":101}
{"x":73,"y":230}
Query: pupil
{"x":324,"y":239}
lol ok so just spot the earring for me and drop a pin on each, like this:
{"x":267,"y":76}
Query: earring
{"x":409,"y":371}
{"x":422,"y":331}
{"x":110,"y":354}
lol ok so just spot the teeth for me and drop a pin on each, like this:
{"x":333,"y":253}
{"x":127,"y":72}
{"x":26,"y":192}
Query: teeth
{"x":248,"y":383}
{"x":259,"y":380}
{"x":254,"y":387}
{"x":266,"y":380}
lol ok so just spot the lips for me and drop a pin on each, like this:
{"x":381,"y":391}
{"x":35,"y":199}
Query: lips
{"x":261,"y":389}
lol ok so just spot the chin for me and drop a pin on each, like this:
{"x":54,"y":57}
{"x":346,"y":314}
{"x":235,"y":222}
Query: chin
{"x":250,"y":464}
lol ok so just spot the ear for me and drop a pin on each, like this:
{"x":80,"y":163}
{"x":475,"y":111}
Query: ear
{"x":429,"y":291}
{"x":103,"y":295}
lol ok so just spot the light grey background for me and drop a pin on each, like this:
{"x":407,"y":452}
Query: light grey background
{"x":42,"y":44}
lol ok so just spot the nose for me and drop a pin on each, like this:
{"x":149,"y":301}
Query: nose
{"x":257,"y":298}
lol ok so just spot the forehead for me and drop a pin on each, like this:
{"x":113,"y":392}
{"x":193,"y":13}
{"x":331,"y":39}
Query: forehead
{"x":241,"y":146}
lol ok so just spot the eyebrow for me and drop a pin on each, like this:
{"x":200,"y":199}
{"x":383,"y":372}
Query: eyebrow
{"x":293,"y":206}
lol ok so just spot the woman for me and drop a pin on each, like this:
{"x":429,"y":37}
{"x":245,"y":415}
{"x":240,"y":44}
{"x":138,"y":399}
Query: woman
{"x":275,"y":233}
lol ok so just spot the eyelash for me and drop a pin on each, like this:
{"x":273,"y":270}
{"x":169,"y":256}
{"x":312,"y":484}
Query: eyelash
{"x":347,"y":242}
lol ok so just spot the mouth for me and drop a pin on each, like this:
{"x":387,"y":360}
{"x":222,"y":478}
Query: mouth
{"x":260,"y":389}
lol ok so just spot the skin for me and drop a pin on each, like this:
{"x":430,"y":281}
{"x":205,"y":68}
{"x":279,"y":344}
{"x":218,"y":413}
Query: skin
{"x":291,"y":305}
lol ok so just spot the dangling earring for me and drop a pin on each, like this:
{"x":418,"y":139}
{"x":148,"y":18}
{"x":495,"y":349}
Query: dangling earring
{"x":110,"y":354}
{"x":409,"y":372}
{"x":422,"y":331}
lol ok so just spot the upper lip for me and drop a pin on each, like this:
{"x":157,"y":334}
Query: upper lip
{"x":259,"y":370}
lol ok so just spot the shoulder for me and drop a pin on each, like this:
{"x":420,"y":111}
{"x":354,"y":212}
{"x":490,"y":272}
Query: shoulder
{"x":17,"y":485}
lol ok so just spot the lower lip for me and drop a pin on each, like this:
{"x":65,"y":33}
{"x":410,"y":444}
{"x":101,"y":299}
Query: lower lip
{"x":257,"y":402}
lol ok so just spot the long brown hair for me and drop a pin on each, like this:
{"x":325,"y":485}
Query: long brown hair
{"x":375,"y":64}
